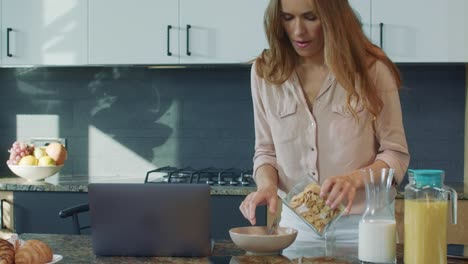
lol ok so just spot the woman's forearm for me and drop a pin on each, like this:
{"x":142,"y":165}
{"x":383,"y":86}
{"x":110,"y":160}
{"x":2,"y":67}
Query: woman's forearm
{"x":266,"y":177}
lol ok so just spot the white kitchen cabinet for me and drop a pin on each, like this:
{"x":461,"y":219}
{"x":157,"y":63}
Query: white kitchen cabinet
{"x":175,"y":31}
{"x":221,"y":31}
{"x":421,"y":30}
{"x":362,"y":8}
{"x":44,"y":32}
{"x":1,"y":35}
{"x":133,"y":32}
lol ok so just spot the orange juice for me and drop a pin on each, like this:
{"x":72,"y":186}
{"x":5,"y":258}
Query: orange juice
{"x":425,"y":232}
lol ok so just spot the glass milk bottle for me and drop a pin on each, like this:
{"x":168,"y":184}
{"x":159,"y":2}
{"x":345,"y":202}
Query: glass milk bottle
{"x":377,"y":228}
{"x":426,"y":204}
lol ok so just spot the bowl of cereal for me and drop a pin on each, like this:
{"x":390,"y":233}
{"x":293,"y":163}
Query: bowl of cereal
{"x":255,"y":240}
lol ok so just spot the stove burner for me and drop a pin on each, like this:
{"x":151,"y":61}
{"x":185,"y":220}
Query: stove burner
{"x":210,"y":175}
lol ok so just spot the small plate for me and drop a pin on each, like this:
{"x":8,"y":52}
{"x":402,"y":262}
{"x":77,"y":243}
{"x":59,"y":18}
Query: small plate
{"x":14,"y":238}
{"x":56,"y":258}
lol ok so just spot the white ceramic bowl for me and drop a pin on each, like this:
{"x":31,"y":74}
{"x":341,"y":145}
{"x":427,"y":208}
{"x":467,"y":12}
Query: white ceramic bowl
{"x":254,"y":239}
{"x":34,"y":173}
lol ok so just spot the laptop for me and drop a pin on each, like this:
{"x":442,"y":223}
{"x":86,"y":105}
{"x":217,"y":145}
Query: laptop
{"x":150,"y":219}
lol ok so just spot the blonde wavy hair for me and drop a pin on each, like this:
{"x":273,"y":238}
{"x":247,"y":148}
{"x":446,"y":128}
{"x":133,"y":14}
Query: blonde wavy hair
{"x":348,"y":52}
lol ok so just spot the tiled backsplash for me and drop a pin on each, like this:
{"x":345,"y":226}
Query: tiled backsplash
{"x":433,"y":103}
{"x":124,"y":121}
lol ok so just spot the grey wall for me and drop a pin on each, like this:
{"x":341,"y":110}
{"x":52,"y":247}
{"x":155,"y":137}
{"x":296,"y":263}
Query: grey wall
{"x":142,"y":118}
{"x":433,"y":104}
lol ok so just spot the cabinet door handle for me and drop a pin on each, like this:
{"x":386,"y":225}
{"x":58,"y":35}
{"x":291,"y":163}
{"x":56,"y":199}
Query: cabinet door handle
{"x":381,"y":35}
{"x":188,"y":40}
{"x":169,"y":53}
{"x":8,"y":42}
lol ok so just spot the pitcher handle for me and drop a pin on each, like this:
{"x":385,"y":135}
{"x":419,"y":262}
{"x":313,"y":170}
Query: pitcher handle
{"x":453,"y":201}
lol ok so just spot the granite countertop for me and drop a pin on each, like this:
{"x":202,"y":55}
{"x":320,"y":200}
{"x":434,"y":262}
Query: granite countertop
{"x":64,"y":183}
{"x":78,"y":249}
{"x":61,"y":183}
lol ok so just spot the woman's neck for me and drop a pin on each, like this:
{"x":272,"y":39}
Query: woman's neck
{"x":312,"y":63}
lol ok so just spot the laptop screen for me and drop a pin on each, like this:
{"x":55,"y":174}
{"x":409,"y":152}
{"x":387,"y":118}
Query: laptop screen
{"x":150,"y":219}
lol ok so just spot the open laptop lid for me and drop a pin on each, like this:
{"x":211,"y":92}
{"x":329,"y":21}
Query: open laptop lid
{"x":150,"y":219}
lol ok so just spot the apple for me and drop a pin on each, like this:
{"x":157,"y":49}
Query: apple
{"x":46,"y":161}
{"x":57,"y":152}
{"x":29,"y":160}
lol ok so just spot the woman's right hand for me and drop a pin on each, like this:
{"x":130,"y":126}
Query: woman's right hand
{"x":264,"y":195}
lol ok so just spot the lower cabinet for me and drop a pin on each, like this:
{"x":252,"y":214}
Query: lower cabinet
{"x":225,"y":215}
{"x":37,"y":212}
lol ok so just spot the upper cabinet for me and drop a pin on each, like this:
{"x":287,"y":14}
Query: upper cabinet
{"x":409,"y":33}
{"x":175,"y":31}
{"x":362,"y":8}
{"x":221,"y":31}
{"x":421,"y":30}
{"x":44,"y":32}
{"x":133,"y":32}
{"x":144,"y":32}
{"x":1,"y":36}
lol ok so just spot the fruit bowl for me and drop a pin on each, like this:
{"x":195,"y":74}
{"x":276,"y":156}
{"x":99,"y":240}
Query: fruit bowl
{"x":256,"y":241}
{"x":34,"y":173}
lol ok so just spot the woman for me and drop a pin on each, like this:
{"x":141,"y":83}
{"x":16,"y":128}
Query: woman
{"x":326,"y":105}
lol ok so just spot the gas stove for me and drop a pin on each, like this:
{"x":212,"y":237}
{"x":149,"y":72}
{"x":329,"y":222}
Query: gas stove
{"x":211,"y":176}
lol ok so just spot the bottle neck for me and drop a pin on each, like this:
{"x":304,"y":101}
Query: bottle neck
{"x":378,"y":202}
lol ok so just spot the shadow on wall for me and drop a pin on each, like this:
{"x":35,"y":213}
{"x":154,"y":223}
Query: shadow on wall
{"x":124,"y":121}
{"x":121,"y":103}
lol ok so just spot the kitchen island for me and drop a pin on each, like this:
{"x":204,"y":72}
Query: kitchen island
{"x":23,"y":201}
{"x":78,"y":249}
{"x":79,"y":184}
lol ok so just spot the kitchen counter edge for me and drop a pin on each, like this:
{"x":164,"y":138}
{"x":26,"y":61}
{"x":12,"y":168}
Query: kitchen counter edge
{"x":66,"y":184}
{"x":16,"y":184}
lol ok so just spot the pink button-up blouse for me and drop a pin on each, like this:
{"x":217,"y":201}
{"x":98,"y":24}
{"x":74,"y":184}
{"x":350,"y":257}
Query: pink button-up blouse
{"x":325,"y":140}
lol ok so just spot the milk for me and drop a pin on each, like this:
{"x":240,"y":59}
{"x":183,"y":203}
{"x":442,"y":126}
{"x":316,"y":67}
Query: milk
{"x":377,"y":241}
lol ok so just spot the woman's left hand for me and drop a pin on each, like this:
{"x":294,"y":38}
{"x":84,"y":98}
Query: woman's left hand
{"x":336,"y":188}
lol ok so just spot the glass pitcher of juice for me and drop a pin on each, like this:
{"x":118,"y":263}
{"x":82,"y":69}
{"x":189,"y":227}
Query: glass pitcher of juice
{"x":425,"y":222}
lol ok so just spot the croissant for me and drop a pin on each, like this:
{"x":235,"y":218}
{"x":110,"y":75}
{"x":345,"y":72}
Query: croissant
{"x":33,"y":252}
{"x":7,"y":252}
